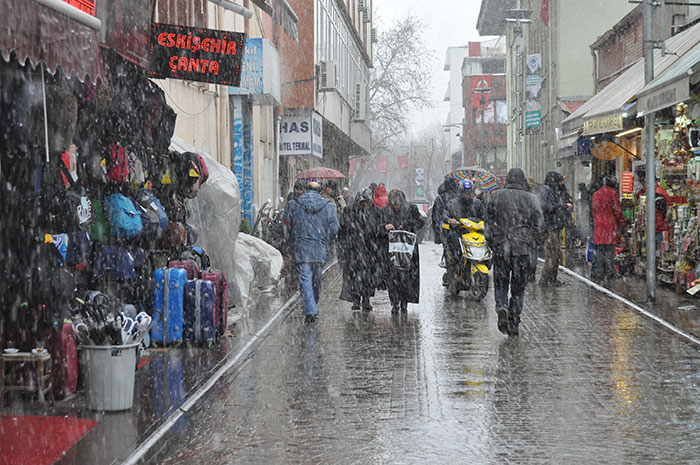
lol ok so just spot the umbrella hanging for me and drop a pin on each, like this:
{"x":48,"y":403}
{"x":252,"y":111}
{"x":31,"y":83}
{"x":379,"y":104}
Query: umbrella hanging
{"x":482,"y":179}
{"x":320,"y":172}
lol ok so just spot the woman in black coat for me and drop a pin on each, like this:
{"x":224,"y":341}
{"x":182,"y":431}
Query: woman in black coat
{"x":403,"y":284}
{"x":356,"y":249}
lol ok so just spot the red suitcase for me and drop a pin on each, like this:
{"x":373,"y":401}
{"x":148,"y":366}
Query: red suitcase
{"x":63,"y":348}
{"x":189,"y":265}
{"x":221,"y":305}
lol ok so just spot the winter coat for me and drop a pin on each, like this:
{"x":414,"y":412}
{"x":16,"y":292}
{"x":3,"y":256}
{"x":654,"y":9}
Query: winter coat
{"x":661,"y":201}
{"x":513,"y":217}
{"x":357,"y":241}
{"x":553,"y":201}
{"x":405,"y":282}
{"x":439,"y":207}
{"x":380,"y":246}
{"x":607,"y":216}
{"x":459,"y":207}
{"x":313,"y":223}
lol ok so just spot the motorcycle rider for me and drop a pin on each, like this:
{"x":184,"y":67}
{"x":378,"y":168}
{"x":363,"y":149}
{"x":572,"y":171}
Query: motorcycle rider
{"x":465,"y":205}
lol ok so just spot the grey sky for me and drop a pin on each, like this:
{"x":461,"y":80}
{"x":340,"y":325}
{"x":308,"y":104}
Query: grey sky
{"x":448,"y":23}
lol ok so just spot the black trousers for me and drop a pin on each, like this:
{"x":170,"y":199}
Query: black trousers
{"x":604,"y":261}
{"x":510,"y":271}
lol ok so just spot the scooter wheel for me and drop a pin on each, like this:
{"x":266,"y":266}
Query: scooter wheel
{"x":480,"y":286}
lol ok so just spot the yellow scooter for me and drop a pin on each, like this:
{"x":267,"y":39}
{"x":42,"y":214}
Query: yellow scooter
{"x":471,"y":273}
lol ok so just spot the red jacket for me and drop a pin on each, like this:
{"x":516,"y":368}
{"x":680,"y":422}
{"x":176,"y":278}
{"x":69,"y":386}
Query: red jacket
{"x":607,"y":216}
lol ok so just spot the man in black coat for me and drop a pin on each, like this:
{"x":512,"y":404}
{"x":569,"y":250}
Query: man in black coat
{"x":513,"y":222}
{"x":465,"y":205}
{"x":556,"y":210}
{"x":446,"y":192}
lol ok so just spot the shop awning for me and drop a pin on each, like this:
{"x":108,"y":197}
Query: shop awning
{"x":605,"y":111}
{"x":52,"y":32}
{"x":672,"y":86}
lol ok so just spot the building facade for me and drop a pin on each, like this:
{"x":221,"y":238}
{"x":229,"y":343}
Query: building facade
{"x":454,"y":125}
{"x":485,"y":106}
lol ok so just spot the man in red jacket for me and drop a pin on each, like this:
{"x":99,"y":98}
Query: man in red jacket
{"x":607,"y":224}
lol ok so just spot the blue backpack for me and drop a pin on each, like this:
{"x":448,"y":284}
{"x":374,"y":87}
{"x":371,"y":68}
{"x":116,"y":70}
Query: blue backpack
{"x":123,"y":216}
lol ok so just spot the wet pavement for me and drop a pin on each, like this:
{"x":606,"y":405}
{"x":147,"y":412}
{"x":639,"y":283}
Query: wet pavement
{"x":589,"y":380}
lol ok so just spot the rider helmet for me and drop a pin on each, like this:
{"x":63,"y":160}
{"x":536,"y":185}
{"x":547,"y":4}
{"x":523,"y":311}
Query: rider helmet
{"x":466,"y":185}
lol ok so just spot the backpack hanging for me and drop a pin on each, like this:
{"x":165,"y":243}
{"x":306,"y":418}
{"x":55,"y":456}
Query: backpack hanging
{"x":123,"y":216}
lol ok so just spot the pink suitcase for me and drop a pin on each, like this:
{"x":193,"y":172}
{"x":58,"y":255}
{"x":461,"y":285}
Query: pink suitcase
{"x":221,"y":305}
{"x":189,"y":265}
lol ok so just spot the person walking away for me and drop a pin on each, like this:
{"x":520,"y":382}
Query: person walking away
{"x":288,"y":245}
{"x":513,"y":222}
{"x":462,"y":206}
{"x":403,"y":285}
{"x":381,"y":244}
{"x":556,"y":212}
{"x":313,"y":223}
{"x":607,"y":224}
{"x":356,"y":240}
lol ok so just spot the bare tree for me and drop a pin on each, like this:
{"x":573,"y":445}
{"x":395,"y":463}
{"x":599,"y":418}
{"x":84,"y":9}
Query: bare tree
{"x":399,"y":80}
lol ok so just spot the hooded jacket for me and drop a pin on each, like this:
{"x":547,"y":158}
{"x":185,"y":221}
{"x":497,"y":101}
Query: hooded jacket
{"x":513,"y":217}
{"x":381,"y":199}
{"x":553,"y":202}
{"x":313,"y":222}
{"x":607,"y":216}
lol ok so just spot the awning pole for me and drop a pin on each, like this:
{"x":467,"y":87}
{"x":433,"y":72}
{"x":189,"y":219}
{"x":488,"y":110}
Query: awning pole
{"x":46,"y":120}
{"x":649,"y":145}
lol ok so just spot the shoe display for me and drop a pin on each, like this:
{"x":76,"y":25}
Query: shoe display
{"x":502,"y":320}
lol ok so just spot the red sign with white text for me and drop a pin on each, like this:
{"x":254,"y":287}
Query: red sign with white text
{"x":402,"y":161}
{"x":382,"y":165}
{"x":86,"y":6}
{"x":480,"y":82}
{"x":627,"y":182}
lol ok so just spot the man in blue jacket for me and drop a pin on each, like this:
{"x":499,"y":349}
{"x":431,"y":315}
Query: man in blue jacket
{"x":311,"y":222}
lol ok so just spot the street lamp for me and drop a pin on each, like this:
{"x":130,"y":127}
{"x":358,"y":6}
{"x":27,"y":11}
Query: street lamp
{"x":461,"y":140}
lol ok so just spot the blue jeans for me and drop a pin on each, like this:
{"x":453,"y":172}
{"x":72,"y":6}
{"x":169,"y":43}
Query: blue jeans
{"x":310,"y":276}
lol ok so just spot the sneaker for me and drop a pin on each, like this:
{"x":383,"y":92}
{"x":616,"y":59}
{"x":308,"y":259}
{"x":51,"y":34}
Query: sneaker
{"x":513,"y":330}
{"x":502,"y":320}
{"x":310,"y":318}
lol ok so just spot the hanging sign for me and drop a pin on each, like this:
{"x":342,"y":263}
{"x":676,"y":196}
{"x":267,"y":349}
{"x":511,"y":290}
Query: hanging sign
{"x":301,"y":134}
{"x":627,"y":182}
{"x":86,"y":6}
{"x":402,"y":160}
{"x":382,"y":165}
{"x":196,"y":54}
{"x":533,"y":90}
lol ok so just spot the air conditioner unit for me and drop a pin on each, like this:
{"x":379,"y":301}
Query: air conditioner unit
{"x":327,"y":79}
{"x":365,"y":16}
{"x":373,"y":35}
{"x":360,"y":102}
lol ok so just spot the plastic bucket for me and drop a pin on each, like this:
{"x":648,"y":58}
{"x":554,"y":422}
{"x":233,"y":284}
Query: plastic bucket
{"x":108,"y":374}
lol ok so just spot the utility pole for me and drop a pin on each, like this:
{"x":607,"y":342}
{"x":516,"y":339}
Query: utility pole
{"x":649,"y":145}
{"x":518,"y":91}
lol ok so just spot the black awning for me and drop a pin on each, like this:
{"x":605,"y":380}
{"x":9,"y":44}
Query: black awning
{"x":38,"y":33}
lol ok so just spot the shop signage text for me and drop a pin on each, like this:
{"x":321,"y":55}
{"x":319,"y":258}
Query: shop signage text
{"x":301,"y":135}
{"x":665,"y":96}
{"x":86,"y":6}
{"x":627,"y":182}
{"x":607,"y":123}
{"x":196,"y":54}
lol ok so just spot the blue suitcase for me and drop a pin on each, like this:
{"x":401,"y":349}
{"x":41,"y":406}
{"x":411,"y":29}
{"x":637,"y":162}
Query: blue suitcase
{"x":200,"y":311}
{"x":168,"y":305}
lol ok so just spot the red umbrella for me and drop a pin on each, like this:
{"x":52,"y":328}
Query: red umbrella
{"x":320,"y":172}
